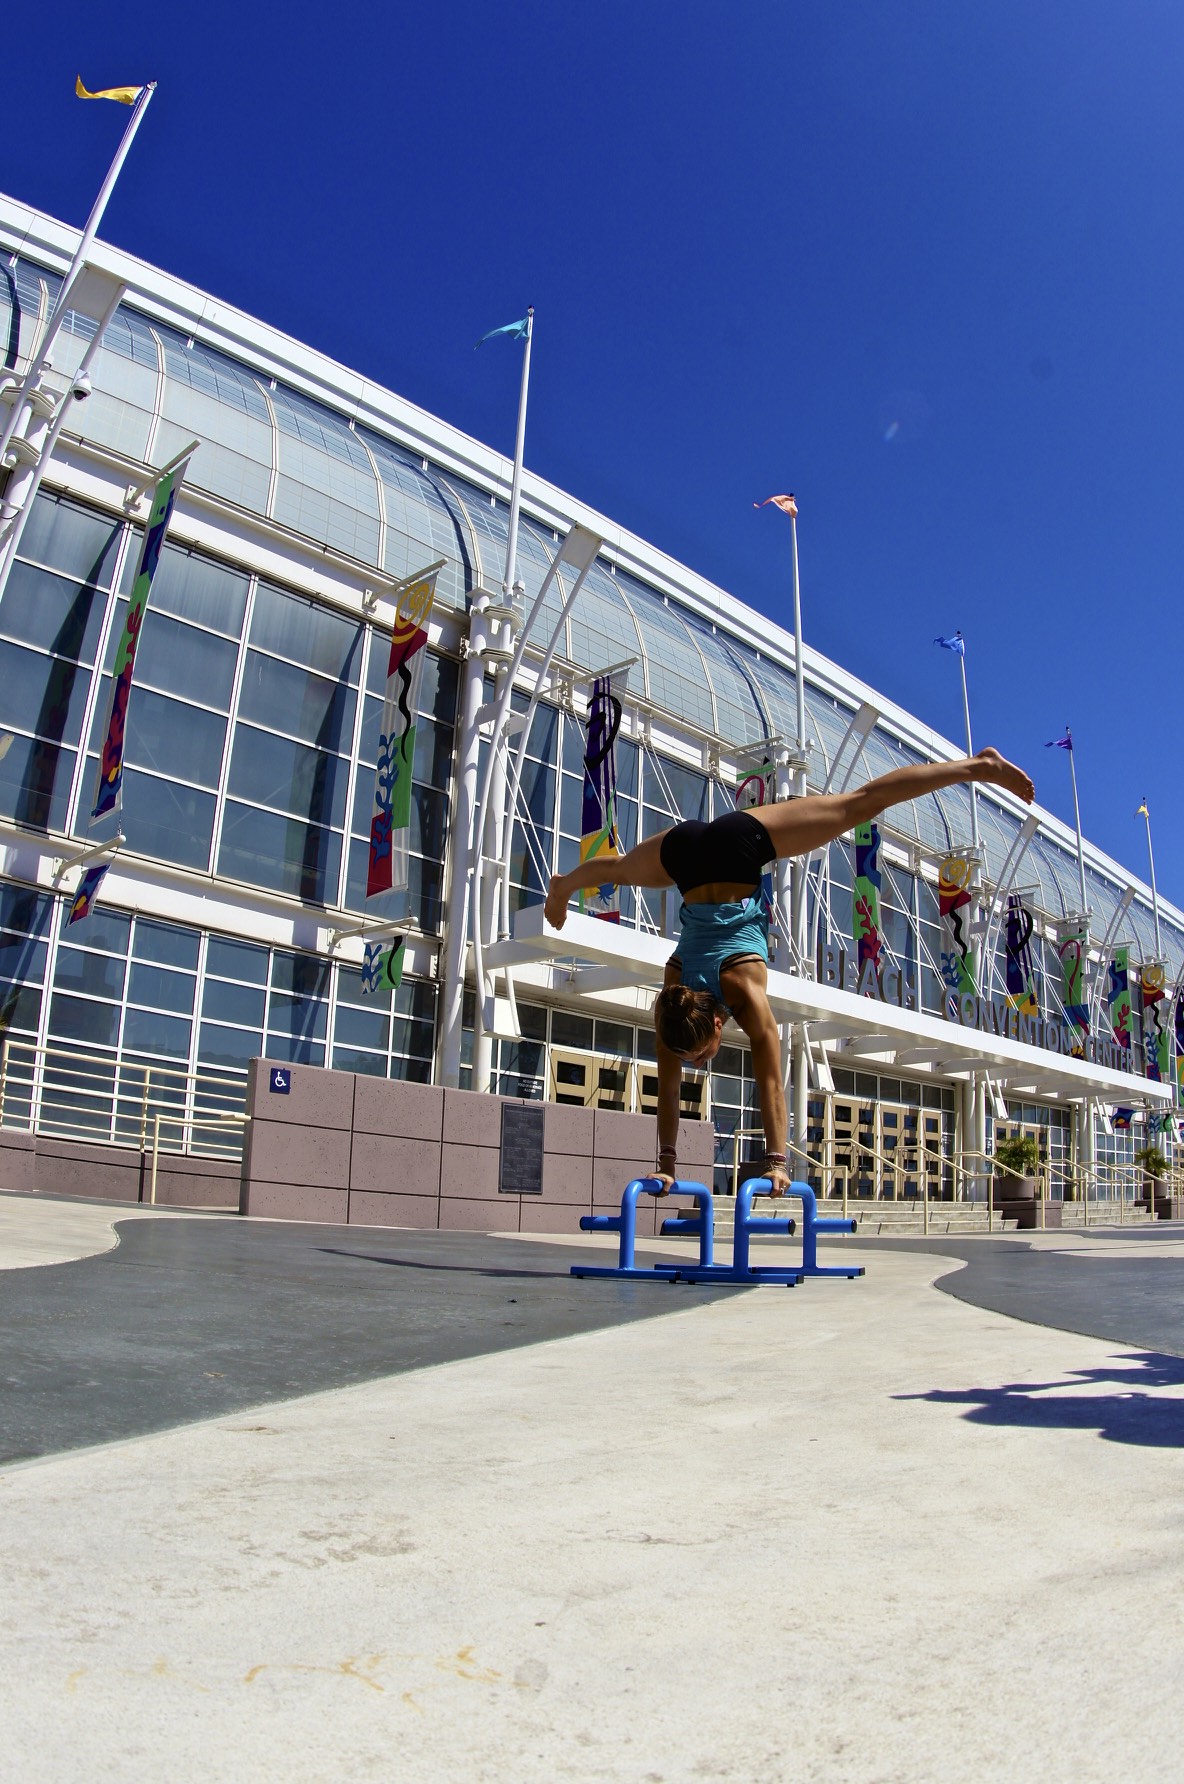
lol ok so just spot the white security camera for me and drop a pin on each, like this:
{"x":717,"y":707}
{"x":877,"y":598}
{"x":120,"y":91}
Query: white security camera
{"x":81,"y":387}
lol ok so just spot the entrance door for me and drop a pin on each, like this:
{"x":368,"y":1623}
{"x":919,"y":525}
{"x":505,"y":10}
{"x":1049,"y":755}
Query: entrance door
{"x":854,"y":1129}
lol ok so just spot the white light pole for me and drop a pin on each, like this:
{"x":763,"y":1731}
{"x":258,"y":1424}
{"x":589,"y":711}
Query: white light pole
{"x":40,"y":360}
{"x":1144,"y":813}
{"x":489,"y":628}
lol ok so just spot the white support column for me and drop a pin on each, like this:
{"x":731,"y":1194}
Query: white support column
{"x":464,"y":848}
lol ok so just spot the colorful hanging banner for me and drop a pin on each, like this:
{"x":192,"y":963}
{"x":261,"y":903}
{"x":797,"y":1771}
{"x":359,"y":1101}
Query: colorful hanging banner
{"x":109,"y":790}
{"x":1121,"y":1120}
{"x":1179,"y":1026}
{"x":866,"y":903}
{"x":1072,"y":943}
{"x":954,"y":903}
{"x":390,"y":824}
{"x":382,"y":965}
{"x":1020,"y":973}
{"x":84,"y":898}
{"x":599,"y":840}
{"x":1157,"y":1036}
{"x":1118,"y":997}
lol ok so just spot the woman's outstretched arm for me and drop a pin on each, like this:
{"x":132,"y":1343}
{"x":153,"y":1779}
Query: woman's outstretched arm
{"x":642,"y":866}
{"x":796,"y":826}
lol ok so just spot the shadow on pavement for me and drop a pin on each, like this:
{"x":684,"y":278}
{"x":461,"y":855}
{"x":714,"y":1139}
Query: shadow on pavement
{"x":1135,"y":1410}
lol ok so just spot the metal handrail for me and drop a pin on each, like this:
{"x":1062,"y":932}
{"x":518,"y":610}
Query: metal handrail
{"x":105,"y":1098}
{"x":222,"y":1121}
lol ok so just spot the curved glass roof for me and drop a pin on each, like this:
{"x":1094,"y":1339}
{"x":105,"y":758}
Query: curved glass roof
{"x":270,"y":449}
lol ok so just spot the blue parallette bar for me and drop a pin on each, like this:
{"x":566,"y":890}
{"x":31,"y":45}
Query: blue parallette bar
{"x":741,"y":1270}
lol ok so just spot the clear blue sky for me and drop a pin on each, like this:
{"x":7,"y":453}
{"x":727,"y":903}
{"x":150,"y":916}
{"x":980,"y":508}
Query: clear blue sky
{"x":920,"y":263}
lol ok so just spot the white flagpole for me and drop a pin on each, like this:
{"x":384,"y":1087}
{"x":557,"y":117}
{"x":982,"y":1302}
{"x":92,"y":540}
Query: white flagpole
{"x":1154,"y":894}
{"x":519,"y":448}
{"x":974,"y":832}
{"x":38,"y":359}
{"x":1077,"y":820}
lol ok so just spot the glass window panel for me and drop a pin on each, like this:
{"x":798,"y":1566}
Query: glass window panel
{"x":35,"y":779}
{"x":22,"y":957}
{"x":42,"y":694}
{"x":50,"y":611}
{"x":150,"y":1032}
{"x":348,"y":1059}
{"x":362,"y":1028}
{"x":101,"y":975}
{"x":228,"y":1046}
{"x":106,"y":930}
{"x":24,"y":910}
{"x":308,"y":634}
{"x":70,"y":538}
{"x":241,"y":1004}
{"x":79,"y":1019}
{"x":20,"y":1007}
{"x":297,"y":1048}
{"x":300,"y":975}
{"x":237,"y":960}
{"x":349,"y":991}
{"x":165,"y":735}
{"x":161,"y":988}
{"x":568,"y":1030}
{"x":284,"y":854}
{"x":196,"y":588}
{"x":283,"y":698}
{"x":177,"y":659}
{"x":614,"y":1037}
{"x":273,"y":771}
{"x":411,"y":1037}
{"x":166,"y":944}
{"x":162,"y":818}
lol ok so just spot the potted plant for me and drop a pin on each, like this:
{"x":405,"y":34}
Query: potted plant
{"x":1154,"y":1165}
{"x":1016,"y":1163}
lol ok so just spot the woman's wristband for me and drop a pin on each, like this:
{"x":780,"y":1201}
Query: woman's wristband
{"x":667,"y":1152}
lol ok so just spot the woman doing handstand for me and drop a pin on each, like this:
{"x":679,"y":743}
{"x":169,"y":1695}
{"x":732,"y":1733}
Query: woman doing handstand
{"x":720,"y":967}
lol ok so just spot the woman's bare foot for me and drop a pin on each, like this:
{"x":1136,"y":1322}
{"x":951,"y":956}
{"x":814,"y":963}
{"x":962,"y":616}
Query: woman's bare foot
{"x":996,"y":768}
{"x":555,"y":905}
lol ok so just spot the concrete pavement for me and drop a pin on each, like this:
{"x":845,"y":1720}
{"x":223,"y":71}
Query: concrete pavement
{"x":853,"y":1531}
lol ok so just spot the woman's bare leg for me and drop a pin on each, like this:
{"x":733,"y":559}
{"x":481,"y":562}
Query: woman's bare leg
{"x":796,"y":826}
{"x":642,"y":866}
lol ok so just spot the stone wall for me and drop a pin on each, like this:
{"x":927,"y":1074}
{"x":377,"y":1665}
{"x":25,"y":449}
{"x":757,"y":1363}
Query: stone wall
{"x":363,"y":1151}
{"x":43,"y":1164}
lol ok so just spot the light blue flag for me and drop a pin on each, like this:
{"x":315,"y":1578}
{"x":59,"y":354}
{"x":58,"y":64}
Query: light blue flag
{"x":957,"y":644}
{"x":515,"y":330}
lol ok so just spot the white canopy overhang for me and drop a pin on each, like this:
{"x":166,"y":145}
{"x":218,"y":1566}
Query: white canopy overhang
{"x":610,"y":956}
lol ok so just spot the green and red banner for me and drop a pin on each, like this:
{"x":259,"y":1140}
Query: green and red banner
{"x":955,"y":906}
{"x":390,"y":824}
{"x":109,"y":791}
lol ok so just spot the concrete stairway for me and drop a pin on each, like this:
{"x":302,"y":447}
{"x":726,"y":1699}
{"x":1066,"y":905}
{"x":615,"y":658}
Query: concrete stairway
{"x":907,"y":1219}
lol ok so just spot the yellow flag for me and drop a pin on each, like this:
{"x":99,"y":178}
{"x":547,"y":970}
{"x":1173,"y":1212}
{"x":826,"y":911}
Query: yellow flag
{"x":125,"y":95}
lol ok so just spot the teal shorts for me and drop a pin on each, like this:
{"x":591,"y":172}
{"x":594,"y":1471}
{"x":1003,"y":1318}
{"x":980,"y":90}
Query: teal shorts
{"x":713,"y":934}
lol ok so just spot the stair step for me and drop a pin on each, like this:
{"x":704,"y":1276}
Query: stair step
{"x":945,"y":1218}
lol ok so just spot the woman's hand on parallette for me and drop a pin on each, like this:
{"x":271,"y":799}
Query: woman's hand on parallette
{"x":779,"y":1178}
{"x":665,"y":1178}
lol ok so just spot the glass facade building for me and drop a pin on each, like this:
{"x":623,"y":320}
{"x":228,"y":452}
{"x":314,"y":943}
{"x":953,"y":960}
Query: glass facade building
{"x":254,"y":720}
